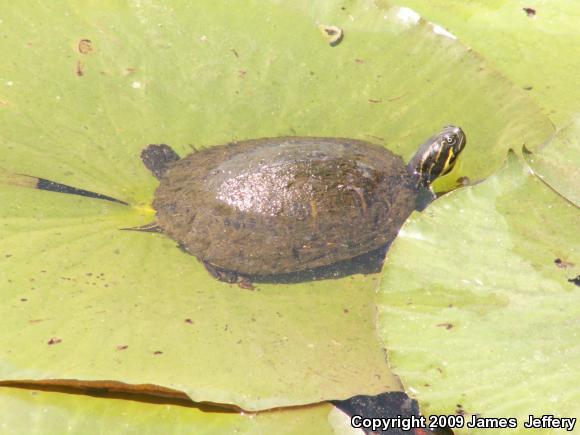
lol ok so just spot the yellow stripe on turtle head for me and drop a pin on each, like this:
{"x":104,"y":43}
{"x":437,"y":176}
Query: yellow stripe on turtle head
{"x":448,"y":163}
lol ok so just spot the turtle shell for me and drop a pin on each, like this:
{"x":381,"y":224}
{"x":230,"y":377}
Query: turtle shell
{"x":280,"y":205}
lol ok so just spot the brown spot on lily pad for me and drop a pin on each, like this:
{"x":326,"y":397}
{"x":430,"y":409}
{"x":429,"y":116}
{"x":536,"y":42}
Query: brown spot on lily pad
{"x":463,"y":181}
{"x":530,"y":12}
{"x":445,"y":325}
{"x":332,"y":34}
{"x":85,"y":46}
{"x":54,"y":340}
{"x":188,"y":320}
{"x":157,"y":352}
{"x":397,"y":97}
{"x":575,"y":280}
{"x":562,"y":264}
{"x":122,"y":346}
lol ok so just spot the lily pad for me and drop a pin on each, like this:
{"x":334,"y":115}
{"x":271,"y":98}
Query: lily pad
{"x":38,"y":412}
{"x":534,"y":44}
{"x":86,"y":87}
{"x":478,"y":306}
{"x":83,"y":300}
{"x":198,"y":75}
{"x":557,"y":162}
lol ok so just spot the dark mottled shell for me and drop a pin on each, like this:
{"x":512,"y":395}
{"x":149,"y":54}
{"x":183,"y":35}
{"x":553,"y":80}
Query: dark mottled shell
{"x":279,"y":205}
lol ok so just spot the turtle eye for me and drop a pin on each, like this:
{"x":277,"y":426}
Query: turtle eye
{"x":448,"y":139}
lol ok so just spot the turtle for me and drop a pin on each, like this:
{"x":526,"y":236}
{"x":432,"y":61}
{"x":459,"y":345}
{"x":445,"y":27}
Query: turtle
{"x":271,"y":206}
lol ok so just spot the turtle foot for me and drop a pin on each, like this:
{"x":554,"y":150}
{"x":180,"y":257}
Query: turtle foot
{"x":158,"y":158}
{"x":229,"y":276}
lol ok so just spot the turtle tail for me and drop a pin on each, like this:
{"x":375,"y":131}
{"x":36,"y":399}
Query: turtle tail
{"x":21,"y":180}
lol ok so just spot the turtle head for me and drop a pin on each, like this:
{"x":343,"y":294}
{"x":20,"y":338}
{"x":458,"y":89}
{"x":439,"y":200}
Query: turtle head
{"x":438,"y":155}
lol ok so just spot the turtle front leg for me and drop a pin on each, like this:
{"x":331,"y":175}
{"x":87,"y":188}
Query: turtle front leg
{"x":229,"y":276}
{"x":158,"y":159}
{"x":425,"y":196}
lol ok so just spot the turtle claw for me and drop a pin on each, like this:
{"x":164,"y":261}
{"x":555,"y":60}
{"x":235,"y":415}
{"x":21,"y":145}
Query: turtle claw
{"x":229,"y":276}
{"x":153,"y":227}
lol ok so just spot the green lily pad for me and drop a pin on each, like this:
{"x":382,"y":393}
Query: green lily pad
{"x":477,"y":304}
{"x":536,"y":46}
{"x":558,"y":162}
{"x":83,"y":300}
{"x":199,"y":75}
{"x":86,"y":87}
{"x":537,"y":50}
{"x":49,"y":412}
